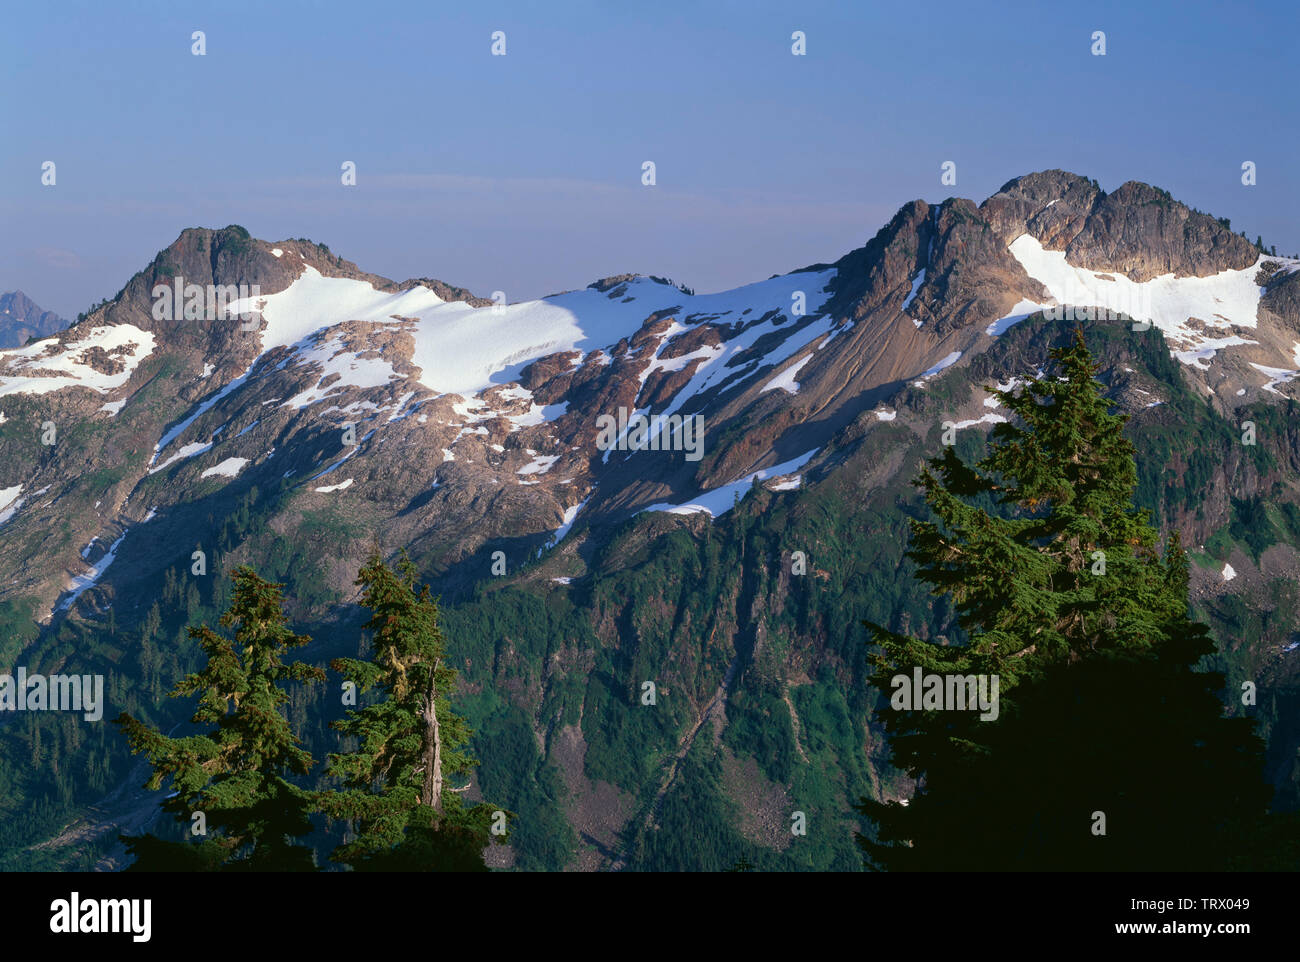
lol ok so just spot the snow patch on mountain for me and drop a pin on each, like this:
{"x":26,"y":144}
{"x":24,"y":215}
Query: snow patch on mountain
{"x":81,"y":583}
{"x":174,"y":432}
{"x":340,"y":368}
{"x":355,"y":449}
{"x":786,"y":379}
{"x":459,"y":348}
{"x":539,"y":465}
{"x":911,"y":296}
{"x":570,"y":516}
{"x":188,"y":451}
{"x":986,"y":419}
{"x":47,"y":365}
{"x":947,"y":362}
{"x":674,"y":364}
{"x":228,"y":468}
{"x":720,"y":500}
{"x":1206,"y":348}
{"x":1023,"y":308}
{"x":1224,"y":300}
{"x":464,"y":350}
{"x":10,"y":502}
{"x":715,"y":370}
{"x":537,"y":414}
{"x":1278,"y":376}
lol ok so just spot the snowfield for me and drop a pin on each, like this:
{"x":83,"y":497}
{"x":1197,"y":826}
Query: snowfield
{"x":464,"y":350}
{"x":1223,"y":300}
{"x":48,"y":366}
{"x":570,"y":516}
{"x":351,"y":369}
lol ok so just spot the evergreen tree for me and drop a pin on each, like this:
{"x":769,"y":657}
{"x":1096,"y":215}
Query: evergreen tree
{"x":1062,"y":592}
{"x":410,"y":744}
{"x":236,"y":772}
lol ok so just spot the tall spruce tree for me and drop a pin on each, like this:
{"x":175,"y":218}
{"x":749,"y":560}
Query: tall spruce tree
{"x":237,"y":772}
{"x":410,"y":744}
{"x":1110,"y":749}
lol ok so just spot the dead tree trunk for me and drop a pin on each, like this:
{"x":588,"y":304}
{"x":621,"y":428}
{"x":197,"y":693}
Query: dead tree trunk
{"x":432,"y":793}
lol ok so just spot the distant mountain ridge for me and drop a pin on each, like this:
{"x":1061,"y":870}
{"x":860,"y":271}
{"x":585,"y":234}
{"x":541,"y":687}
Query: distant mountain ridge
{"x":21,"y":318}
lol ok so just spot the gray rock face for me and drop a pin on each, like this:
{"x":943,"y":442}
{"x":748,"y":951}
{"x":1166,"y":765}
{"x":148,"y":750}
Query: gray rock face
{"x":1281,"y":302}
{"x":1141,"y":231}
{"x":1138,"y":230}
{"x":1053,"y":205}
{"x":972,"y":278}
{"x":881,"y":270}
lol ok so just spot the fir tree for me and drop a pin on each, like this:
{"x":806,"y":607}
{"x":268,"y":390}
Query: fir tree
{"x":237,"y":771}
{"x":410,"y":744}
{"x":1062,"y":591}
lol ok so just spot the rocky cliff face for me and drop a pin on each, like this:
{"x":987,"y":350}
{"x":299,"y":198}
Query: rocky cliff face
{"x":1138,"y":230}
{"x":330,"y":407}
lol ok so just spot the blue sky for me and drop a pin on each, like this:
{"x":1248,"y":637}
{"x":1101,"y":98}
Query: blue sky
{"x":522,"y":173}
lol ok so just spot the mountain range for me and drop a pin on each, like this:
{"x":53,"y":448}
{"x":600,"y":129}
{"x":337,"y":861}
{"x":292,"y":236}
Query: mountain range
{"x":157,"y":443}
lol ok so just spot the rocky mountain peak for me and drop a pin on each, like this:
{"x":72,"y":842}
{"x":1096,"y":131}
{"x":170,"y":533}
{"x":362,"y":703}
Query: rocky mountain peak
{"x":1138,"y":230}
{"x":22,"y":318}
